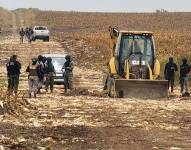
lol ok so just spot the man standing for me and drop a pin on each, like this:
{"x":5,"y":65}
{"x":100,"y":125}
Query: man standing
{"x":8,"y":74}
{"x":169,"y":72}
{"x":40,"y":72}
{"x":33,"y":78}
{"x":31,"y":32}
{"x":68,"y":73}
{"x":184,"y":71}
{"x":13,"y":71}
{"x":22,"y":34}
{"x":49,"y":74}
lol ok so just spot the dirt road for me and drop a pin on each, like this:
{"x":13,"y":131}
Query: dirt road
{"x":84,"y":121}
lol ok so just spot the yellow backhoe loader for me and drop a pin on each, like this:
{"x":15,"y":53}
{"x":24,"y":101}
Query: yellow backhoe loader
{"x":133,"y":69}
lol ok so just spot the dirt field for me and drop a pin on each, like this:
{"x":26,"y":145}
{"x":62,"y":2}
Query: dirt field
{"x":85,"y":119}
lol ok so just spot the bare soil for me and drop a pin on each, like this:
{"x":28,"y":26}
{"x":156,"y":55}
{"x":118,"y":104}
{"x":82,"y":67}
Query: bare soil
{"x":86,"y":118}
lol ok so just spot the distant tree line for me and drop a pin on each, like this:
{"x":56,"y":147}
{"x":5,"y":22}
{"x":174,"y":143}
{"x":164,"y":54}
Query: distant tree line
{"x":161,"y":11}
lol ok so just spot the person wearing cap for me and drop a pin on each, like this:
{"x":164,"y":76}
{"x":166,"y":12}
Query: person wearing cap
{"x":49,"y":74}
{"x":169,"y":73}
{"x":13,"y":72}
{"x":184,"y":71}
{"x":33,"y":78}
{"x":68,"y":73}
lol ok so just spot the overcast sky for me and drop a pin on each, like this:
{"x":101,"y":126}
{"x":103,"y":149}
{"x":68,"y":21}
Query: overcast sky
{"x":100,"y":5}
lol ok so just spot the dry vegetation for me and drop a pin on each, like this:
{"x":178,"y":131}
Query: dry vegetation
{"x":84,"y":120}
{"x":171,"y":31}
{"x":5,"y":19}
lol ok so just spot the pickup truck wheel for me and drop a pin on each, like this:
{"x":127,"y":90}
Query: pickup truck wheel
{"x":46,"y":39}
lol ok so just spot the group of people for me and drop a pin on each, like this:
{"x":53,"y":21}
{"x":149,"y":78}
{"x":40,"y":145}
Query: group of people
{"x":169,"y":73}
{"x":27,"y":33}
{"x":40,"y":71}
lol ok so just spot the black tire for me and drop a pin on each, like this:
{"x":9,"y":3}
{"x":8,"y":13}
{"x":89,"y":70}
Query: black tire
{"x":46,"y":39}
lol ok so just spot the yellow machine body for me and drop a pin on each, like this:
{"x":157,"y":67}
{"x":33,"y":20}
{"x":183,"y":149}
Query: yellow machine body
{"x":133,"y":68}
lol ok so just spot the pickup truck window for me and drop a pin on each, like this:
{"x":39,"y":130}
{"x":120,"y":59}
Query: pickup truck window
{"x":40,"y":28}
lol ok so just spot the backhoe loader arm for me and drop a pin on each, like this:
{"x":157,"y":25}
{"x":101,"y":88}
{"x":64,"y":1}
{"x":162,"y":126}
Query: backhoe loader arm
{"x":114,"y":33}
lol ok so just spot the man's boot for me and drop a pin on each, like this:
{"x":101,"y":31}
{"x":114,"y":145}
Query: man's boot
{"x":34,"y":95}
{"x":39,"y":92}
{"x":30,"y":95}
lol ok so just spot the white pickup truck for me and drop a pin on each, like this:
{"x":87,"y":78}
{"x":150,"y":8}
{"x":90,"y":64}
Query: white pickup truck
{"x":41,"y":32}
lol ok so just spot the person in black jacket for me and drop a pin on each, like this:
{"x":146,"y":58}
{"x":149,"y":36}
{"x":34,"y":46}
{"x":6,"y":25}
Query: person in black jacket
{"x":169,"y":73}
{"x":13,"y":72}
{"x":184,"y":71}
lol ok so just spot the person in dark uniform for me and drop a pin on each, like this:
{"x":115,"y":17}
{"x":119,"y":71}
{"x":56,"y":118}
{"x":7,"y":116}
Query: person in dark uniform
{"x":184,"y":71}
{"x":8,"y":74}
{"x":40,"y":72}
{"x":13,"y":71}
{"x":22,"y":34}
{"x":169,"y":73}
{"x":49,"y":74}
{"x":68,"y":73}
{"x":31,"y":32}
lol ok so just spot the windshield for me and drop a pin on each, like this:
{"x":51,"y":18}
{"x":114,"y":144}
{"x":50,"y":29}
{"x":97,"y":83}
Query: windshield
{"x":58,"y":62}
{"x":137,"y":44}
{"x":40,"y":28}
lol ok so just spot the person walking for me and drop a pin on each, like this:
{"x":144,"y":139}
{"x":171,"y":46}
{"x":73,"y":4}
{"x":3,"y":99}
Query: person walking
{"x":22,"y":34}
{"x":68,"y":73}
{"x":184,"y":71}
{"x":13,"y":72}
{"x":33,"y":78}
{"x":49,"y":75}
{"x":169,"y":73}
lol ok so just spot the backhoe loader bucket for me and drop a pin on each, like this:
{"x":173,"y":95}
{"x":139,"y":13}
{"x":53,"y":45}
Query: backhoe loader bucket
{"x":144,"y":89}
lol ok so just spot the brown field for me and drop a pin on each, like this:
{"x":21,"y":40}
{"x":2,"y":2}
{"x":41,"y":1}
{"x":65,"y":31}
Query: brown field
{"x":172,"y":31}
{"x":5,"y":19}
{"x":86,"y":118}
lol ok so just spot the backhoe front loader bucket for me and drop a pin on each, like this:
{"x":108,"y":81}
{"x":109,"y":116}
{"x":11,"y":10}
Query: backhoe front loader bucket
{"x":143,"y":89}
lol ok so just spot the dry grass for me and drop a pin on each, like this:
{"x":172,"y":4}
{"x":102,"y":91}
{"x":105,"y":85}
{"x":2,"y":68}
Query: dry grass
{"x":171,"y":29}
{"x":5,"y":19}
{"x":171,"y":32}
